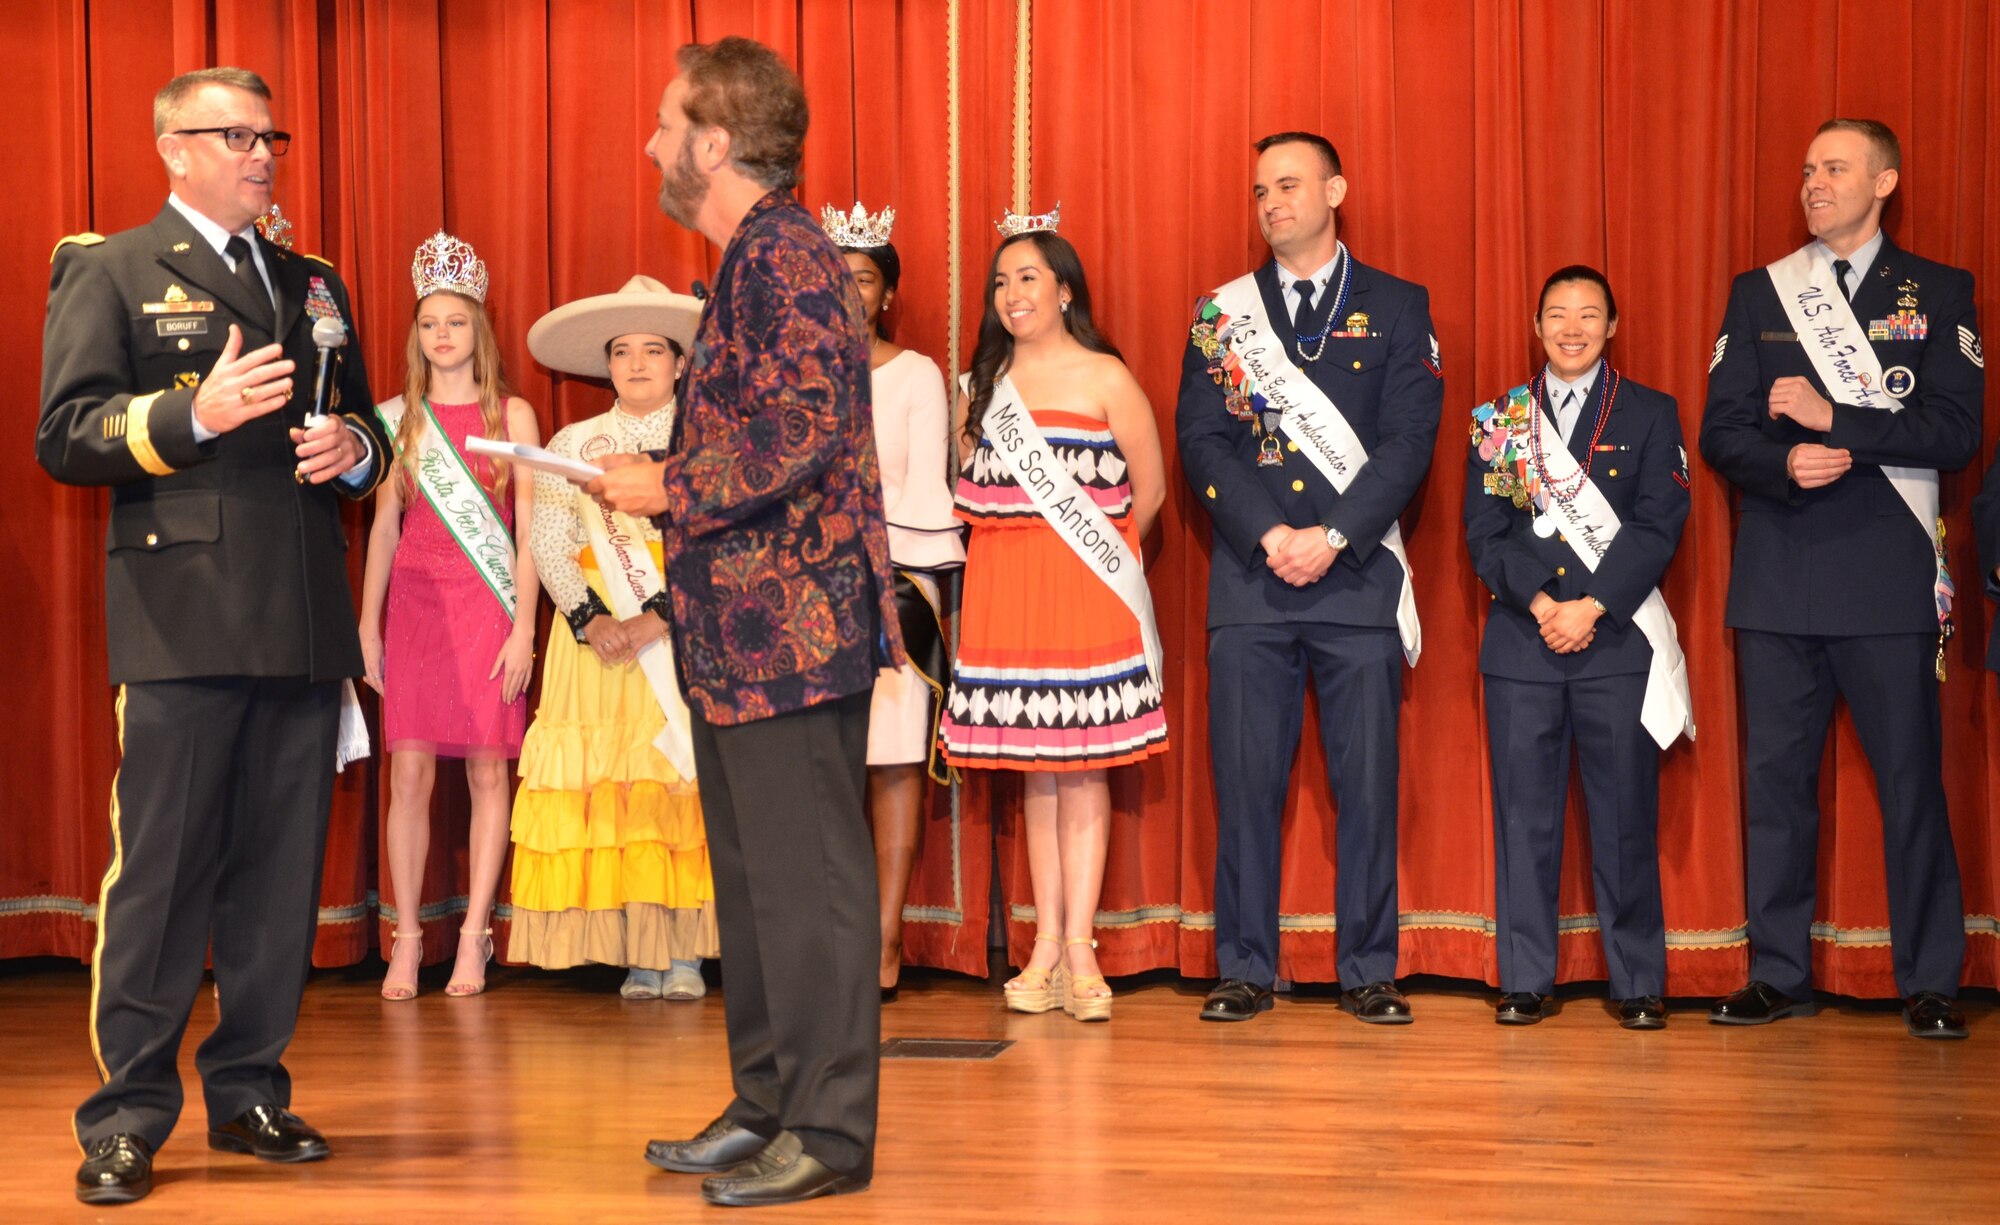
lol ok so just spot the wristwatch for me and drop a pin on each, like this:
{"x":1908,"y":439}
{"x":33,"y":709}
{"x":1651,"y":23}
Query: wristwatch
{"x":1597,"y":603}
{"x":1336,"y":539}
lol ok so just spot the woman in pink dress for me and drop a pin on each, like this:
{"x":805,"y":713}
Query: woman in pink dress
{"x":453,"y":659}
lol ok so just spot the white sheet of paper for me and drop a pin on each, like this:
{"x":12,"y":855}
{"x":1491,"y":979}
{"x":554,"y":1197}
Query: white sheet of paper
{"x":535,"y":457}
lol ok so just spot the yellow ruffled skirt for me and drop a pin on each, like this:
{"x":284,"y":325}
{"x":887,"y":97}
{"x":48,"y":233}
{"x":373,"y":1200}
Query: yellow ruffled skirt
{"x":610,"y":855}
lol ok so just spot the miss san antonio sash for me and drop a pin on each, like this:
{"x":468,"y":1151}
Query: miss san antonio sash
{"x":461,"y":502}
{"x":631,"y":578}
{"x":1309,"y":418}
{"x":1019,"y":445}
{"x":1588,"y":523}
{"x":1851,"y":373}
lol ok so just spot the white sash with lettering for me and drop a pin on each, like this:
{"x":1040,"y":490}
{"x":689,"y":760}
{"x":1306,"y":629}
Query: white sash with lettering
{"x":461,"y":502}
{"x":1019,"y":445}
{"x":631,"y":578}
{"x":1589,"y":524}
{"x":1846,"y":363}
{"x":1314,"y":422}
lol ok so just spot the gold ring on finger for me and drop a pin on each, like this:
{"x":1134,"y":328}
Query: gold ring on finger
{"x":245,"y":393}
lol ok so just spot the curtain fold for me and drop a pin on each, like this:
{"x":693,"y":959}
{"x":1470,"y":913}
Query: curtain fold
{"x":1485,"y":142}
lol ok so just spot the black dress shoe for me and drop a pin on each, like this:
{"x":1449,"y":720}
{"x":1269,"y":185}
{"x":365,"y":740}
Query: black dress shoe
{"x":1643,"y":1012}
{"x":722,"y":1145}
{"x":1377,"y":1004}
{"x":1929,"y":1014}
{"x":781,"y":1173}
{"x":1233,"y":999}
{"x":1520,"y":1008}
{"x":269,"y":1133}
{"x":1758,"y":1004}
{"x":117,"y":1170}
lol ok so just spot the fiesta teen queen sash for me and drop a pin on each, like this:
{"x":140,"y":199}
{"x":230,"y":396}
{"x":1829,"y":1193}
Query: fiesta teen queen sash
{"x":1308,"y":418}
{"x":461,"y":502}
{"x":1851,"y":374}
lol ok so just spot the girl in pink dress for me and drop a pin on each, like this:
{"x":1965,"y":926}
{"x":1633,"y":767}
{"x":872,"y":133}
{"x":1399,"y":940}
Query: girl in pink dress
{"x":453,"y":659}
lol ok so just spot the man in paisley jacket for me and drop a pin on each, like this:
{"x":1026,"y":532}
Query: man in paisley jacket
{"x":777,"y":558}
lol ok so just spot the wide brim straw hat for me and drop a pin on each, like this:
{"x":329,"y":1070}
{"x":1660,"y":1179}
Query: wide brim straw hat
{"x":571,"y":338}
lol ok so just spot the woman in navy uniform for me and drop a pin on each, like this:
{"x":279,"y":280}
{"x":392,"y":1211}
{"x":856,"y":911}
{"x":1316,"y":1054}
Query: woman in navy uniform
{"x":1564,"y":661}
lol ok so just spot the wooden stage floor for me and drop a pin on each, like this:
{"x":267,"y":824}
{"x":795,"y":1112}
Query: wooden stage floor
{"x":533,"y":1102}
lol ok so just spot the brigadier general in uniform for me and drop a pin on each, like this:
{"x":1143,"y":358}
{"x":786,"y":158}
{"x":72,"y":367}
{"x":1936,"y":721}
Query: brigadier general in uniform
{"x":177,"y":370}
{"x":1310,"y":394}
{"x":1847,"y":375}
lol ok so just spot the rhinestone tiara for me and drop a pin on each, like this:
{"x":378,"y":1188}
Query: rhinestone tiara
{"x":1014,"y":223}
{"x":275,"y":228}
{"x":447,"y":264}
{"x":857,"y":229}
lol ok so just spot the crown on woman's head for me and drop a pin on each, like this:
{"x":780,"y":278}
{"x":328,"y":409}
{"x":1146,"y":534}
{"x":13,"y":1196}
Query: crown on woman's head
{"x":857,"y":229}
{"x":1014,"y":223}
{"x":447,"y":265}
{"x":275,"y":228}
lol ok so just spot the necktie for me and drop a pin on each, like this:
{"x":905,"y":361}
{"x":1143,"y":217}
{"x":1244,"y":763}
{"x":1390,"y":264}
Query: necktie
{"x":1840,"y":270}
{"x":246,"y":271}
{"x":1566,"y":414}
{"x":1303,"y":315}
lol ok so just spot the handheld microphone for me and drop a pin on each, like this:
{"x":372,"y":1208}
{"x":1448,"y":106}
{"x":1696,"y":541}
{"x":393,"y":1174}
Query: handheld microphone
{"x":329,"y":334}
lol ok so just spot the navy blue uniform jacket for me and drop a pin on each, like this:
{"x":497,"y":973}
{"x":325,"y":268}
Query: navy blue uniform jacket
{"x":1388,"y":386}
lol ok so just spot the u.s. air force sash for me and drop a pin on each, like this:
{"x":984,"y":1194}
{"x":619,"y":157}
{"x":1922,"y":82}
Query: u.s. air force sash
{"x":462,"y":504}
{"x":1078,"y":520}
{"x":1589,"y":524}
{"x":631,"y":578}
{"x":1838,"y":348}
{"x":1310,"y":419}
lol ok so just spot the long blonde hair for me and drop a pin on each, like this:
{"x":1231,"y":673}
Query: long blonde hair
{"x":486,"y":375}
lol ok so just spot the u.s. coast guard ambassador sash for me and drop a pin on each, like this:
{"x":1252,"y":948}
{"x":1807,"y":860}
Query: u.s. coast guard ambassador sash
{"x":1077,"y":519}
{"x":1838,"y":348}
{"x":1587,"y":522}
{"x":631,"y":578}
{"x":1309,"y":418}
{"x":461,"y":502}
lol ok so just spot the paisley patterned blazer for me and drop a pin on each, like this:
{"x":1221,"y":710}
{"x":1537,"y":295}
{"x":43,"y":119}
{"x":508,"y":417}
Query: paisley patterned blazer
{"x":777,"y":556}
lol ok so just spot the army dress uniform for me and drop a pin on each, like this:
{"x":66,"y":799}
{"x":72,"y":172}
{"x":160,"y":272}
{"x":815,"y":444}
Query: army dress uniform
{"x":230,"y":625}
{"x":1836,"y":589}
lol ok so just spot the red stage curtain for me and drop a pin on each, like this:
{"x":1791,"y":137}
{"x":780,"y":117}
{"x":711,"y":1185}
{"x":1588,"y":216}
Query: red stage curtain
{"x":1485,"y":143}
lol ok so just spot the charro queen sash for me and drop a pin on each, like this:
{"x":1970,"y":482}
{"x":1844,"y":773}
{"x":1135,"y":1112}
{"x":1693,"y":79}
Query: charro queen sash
{"x":631,"y":578}
{"x":462,"y":504}
{"x":1838,"y":348}
{"x":1257,"y":368}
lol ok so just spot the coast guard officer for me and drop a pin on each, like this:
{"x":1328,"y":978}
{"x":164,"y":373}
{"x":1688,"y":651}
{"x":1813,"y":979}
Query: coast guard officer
{"x":1310,"y":394}
{"x":1847,"y":375}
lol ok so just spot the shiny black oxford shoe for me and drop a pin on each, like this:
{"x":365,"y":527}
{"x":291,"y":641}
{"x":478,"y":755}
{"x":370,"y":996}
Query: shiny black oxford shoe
{"x":1643,"y":1012}
{"x":1377,"y":1004}
{"x":1520,"y":1008}
{"x":116,"y":1170}
{"x":269,"y":1133}
{"x":1758,"y":1004}
{"x":721,"y":1146}
{"x":1233,"y":999}
{"x":1930,"y":1014}
{"x":781,"y":1173}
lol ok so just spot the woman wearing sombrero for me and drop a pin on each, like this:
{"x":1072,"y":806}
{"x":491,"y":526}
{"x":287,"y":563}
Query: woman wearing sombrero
{"x":610,"y":855}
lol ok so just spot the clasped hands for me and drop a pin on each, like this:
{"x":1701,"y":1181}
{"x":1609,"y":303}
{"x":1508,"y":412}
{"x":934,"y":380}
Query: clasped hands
{"x":1809,"y":464}
{"x":616,"y":642}
{"x":1298,"y":555}
{"x":1567,"y":626}
{"x":241,"y":387}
